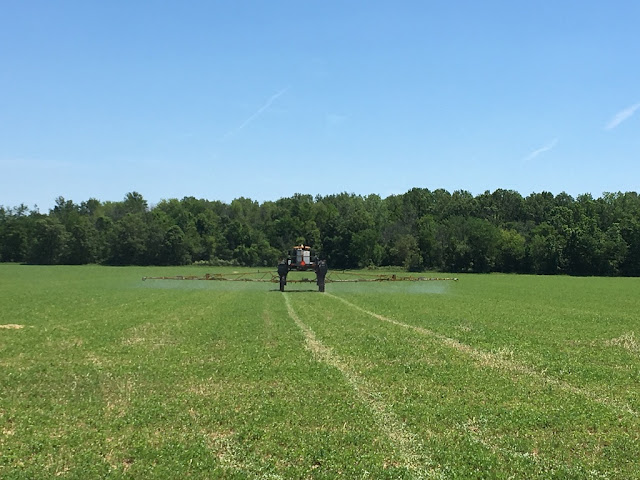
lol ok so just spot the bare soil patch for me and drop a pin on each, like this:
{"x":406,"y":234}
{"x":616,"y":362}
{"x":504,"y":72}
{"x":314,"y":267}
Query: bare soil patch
{"x":628,"y":341}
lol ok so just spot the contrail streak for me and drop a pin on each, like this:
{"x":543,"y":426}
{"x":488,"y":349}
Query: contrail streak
{"x":257,"y":113}
{"x":537,"y":152}
{"x":621,"y":116}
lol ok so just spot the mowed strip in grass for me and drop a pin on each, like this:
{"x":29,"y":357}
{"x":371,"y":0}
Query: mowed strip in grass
{"x":490,"y":377}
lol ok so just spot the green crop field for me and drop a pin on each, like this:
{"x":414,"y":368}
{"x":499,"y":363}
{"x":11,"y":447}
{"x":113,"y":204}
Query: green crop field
{"x":493,"y":376}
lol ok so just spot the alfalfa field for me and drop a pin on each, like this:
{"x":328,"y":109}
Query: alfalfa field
{"x":103,"y":375}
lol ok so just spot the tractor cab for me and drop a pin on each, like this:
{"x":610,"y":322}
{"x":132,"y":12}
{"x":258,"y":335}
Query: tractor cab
{"x":300,"y":258}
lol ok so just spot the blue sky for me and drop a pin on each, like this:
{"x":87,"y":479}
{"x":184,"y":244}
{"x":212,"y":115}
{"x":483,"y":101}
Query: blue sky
{"x":263,"y":99}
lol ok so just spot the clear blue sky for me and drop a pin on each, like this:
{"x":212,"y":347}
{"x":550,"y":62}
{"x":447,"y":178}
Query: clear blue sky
{"x":263,"y":99}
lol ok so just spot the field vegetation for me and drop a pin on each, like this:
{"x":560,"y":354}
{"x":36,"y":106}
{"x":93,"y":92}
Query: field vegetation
{"x":493,"y":376}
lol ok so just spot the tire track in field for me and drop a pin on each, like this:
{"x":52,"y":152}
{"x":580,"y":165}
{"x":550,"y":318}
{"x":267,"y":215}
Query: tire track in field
{"x":498,"y":362}
{"x":409,"y":448}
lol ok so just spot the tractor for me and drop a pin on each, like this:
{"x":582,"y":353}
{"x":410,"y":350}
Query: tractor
{"x":300,"y":259}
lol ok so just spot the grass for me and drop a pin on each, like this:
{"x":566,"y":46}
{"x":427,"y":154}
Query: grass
{"x":494,"y":376}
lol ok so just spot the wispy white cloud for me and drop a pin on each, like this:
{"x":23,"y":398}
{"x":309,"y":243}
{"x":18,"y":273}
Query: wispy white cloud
{"x":621,"y":116}
{"x":540,"y":150}
{"x":257,"y":113}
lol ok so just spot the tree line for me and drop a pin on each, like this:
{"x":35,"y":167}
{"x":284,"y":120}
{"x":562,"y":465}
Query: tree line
{"x":421,"y":229}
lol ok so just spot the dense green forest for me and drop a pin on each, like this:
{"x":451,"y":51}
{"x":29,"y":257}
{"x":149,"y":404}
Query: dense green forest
{"x":418,"y":230}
